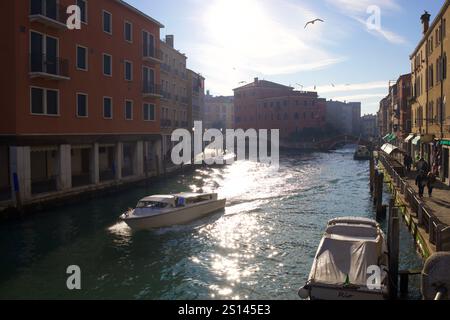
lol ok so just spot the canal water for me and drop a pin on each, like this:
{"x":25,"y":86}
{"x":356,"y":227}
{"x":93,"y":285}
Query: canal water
{"x":260,"y":247}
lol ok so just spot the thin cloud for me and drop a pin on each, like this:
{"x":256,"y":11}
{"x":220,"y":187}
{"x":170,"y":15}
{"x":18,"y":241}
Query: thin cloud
{"x":357,"y":10}
{"x":257,"y":38}
{"x":360,"y":6}
{"x":358,"y":97}
{"x":350,"y":87}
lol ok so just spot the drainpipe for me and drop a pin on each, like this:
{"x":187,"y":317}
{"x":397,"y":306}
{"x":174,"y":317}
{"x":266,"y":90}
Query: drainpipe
{"x":442,"y":83}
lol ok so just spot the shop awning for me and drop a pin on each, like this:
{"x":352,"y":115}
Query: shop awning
{"x":392,"y":137}
{"x":427,"y":138}
{"x":410,"y":137}
{"x":389,"y":148}
{"x":445,"y":142}
{"x":416,"y":140}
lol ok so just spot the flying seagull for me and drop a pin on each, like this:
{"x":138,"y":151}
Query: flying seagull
{"x":242,"y":82}
{"x":313,"y":21}
{"x":333,"y":85}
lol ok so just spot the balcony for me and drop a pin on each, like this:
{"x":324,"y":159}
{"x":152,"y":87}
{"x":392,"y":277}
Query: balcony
{"x":165,"y":123}
{"x":46,"y":67}
{"x":166,"y":68}
{"x":151,"y":90}
{"x":154,"y":56}
{"x":165,"y":95}
{"x":48,"y":13}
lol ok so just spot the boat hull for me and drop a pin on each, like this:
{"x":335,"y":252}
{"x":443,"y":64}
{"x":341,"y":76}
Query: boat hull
{"x":320,"y":292}
{"x":179,"y":216}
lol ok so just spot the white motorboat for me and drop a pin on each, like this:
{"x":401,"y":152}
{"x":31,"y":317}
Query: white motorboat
{"x":362,"y":153}
{"x":167,"y":210}
{"x":348,"y":253}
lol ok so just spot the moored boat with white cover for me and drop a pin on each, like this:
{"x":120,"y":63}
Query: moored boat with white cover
{"x":350,"y":248}
{"x":167,"y":210}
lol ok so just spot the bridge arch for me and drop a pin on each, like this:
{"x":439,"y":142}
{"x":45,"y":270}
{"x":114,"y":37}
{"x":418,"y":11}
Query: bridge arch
{"x":332,"y":143}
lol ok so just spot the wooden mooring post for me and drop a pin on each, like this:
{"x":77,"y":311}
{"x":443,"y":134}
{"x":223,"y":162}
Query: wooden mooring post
{"x":372,"y":173}
{"x":393,"y":240}
{"x":379,"y":180}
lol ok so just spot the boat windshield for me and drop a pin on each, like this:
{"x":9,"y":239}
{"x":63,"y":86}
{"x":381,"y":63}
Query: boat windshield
{"x":151,"y":204}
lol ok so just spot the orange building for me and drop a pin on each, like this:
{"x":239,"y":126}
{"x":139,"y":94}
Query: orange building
{"x":81,"y":108}
{"x":268,"y":105}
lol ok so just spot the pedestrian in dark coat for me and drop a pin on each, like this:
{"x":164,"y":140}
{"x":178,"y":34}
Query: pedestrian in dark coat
{"x":431,"y":181}
{"x":421,"y":181}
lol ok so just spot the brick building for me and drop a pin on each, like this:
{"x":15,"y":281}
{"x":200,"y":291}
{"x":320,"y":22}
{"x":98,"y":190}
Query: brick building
{"x":268,"y":105}
{"x":81,"y":107}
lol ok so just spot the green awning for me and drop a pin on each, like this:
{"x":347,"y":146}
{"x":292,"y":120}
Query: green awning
{"x":445,"y":142}
{"x":386,"y":136}
{"x":392,"y":137}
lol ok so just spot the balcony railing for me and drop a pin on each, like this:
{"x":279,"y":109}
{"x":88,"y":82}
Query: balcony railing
{"x":154,"y":55}
{"x":165,"y":95}
{"x":49,"y":13}
{"x":166,"y":123}
{"x":166,"y":68}
{"x":151,"y":90}
{"x":45,"y":66}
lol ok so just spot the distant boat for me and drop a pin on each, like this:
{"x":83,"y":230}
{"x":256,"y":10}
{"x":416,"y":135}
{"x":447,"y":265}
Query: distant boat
{"x":362,"y":153}
{"x":167,"y":210}
{"x":339,"y":271}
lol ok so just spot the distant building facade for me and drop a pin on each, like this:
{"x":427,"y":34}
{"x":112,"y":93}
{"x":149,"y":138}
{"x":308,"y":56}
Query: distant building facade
{"x":345,"y":117}
{"x":196,"y":96}
{"x":369,"y":126}
{"x":218,"y":112}
{"x":268,"y":105}
{"x":174,"y":91}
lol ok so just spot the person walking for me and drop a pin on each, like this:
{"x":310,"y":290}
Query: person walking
{"x":421,"y":181}
{"x":407,"y":162}
{"x":431,"y":181}
{"x":422,"y":165}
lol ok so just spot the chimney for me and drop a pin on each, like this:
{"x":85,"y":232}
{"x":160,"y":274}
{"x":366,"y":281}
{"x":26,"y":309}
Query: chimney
{"x":425,"y":18}
{"x":170,"y":40}
{"x":256,"y":80}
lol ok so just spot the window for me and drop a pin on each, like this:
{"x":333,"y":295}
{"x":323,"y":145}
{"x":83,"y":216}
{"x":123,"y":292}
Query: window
{"x":44,"y":51}
{"x":128,"y":110}
{"x":82,"y":58}
{"x":128,"y":71}
{"x":107,"y":108}
{"x":82,"y":4}
{"x":128,"y":32}
{"x":149,"y":112}
{"x":44,"y":101}
{"x":82,"y":105}
{"x":107,"y":22}
{"x":107,"y":64}
{"x":148,"y":44}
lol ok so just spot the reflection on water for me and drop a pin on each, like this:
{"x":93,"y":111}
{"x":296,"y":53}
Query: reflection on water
{"x":260,"y":247}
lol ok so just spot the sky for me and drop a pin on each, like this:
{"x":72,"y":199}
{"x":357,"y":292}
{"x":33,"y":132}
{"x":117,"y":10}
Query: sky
{"x":344,"y":58}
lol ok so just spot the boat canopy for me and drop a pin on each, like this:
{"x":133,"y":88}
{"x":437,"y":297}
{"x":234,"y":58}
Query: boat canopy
{"x":345,"y":253}
{"x":160,"y":198}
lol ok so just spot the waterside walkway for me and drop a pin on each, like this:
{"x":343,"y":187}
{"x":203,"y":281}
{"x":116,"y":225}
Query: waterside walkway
{"x":427,"y":218}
